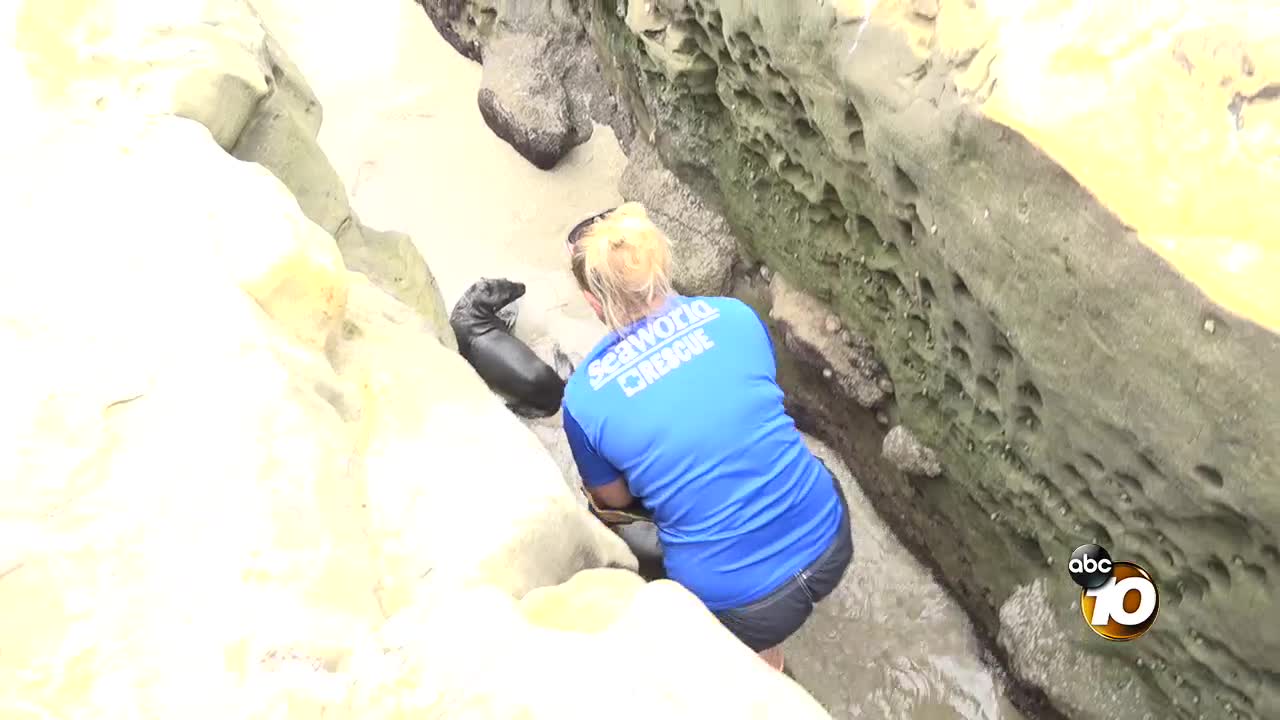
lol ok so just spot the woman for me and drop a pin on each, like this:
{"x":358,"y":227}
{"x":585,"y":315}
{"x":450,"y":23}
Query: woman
{"x":678,"y":406}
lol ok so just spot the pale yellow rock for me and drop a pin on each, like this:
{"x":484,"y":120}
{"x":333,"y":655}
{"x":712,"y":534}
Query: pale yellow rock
{"x":199,"y":59}
{"x":457,"y":485}
{"x":213,"y":61}
{"x":178,"y":509}
{"x":589,"y":602}
{"x":655,"y":653}
{"x":1167,"y":111}
{"x":197,"y":503}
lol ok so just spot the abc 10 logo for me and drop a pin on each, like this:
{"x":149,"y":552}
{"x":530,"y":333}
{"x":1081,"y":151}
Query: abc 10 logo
{"x":1119,"y":599}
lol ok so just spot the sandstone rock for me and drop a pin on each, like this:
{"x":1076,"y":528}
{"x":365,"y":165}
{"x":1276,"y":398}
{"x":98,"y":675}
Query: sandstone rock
{"x":524,"y":100}
{"x":235,"y":429}
{"x":391,"y":260}
{"x":460,"y":24}
{"x":851,"y":365}
{"x":1040,"y":647}
{"x":281,"y":135}
{"x":542,"y":89}
{"x":173,"y":459}
{"x":214,"y":73}
{"x":701,"y":242}
{"x":212,"y":61}
{"x":905,"y":451}
{"x":532,"y":532}
{"x":940,"y":173}
{"x":478,"y":653}
{"x":675,"y":44}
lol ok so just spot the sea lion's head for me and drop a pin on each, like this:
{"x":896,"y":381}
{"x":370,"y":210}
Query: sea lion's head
{"x":486,"y":297}
{"x":496,"y":293}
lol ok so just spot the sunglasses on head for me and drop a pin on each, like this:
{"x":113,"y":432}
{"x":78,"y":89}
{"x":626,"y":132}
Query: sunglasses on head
{"x":581,"y":228}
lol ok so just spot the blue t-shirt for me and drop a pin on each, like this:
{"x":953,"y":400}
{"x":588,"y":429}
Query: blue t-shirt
{"x":686,"y":407}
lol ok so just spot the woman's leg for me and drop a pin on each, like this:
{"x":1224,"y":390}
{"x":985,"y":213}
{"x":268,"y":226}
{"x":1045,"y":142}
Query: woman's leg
{"x":772,"y":656}
{"x":763,"y":625}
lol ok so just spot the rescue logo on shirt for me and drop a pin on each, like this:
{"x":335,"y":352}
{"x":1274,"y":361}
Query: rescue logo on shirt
{"x":651,"y":352}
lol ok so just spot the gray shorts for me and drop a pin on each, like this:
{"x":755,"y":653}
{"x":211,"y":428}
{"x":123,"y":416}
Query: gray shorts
{"x":778,"y":615}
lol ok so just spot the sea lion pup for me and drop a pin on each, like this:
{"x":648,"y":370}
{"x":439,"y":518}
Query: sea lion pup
{"x":532,"y":388}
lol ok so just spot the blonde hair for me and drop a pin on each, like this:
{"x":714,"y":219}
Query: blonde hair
{"x":625,"y":261}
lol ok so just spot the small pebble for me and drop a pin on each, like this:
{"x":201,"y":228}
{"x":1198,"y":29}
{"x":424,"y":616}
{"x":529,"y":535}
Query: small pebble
{"x":765,"y":272}
{"x":885,"y":384}
{"x":882,"y":418}
{"x":833,"y":324}
{"x":826,"y":373}
{"x":1210,"y":326}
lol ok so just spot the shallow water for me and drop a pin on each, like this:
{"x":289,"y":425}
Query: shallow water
{"x":403,"y":130}
{"x":889,"y":643}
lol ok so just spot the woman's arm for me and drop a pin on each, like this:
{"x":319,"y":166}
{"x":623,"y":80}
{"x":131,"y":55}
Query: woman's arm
{"x":614,"y":494}
{"x":606,"y":484}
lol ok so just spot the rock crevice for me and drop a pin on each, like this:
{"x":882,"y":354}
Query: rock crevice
{"x":1072,"y":360}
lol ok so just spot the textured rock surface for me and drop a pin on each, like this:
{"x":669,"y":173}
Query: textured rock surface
{"x":1073,"y":383}
{"x":813,"y":333}
{"x":1045,"y":654}
{"x":265,"y":113}
{"x":281,"y":135}
{"x":240,"y":479}
{"x":908,"y":454}
{"x":525,"y":102}
{"x":701,"y":241}
{"x":481,"y":654}
{"x":963,"y":184}
{"x":542,"y":87}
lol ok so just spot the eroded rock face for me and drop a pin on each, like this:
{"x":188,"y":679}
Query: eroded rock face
{"x":1073,"y":383}
{"x":936,"y":173}
{"x":817,"y":336}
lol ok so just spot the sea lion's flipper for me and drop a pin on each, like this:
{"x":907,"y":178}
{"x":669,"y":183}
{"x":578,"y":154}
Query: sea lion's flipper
{"x":529,"y":412}
{"x":561,"y":362}
{"x":509,"y":314}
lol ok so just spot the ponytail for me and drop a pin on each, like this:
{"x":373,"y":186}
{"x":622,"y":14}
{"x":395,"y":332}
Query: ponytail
{"x":625,"y":261}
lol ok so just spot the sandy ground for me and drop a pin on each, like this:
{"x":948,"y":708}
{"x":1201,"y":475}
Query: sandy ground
{"x":402,"y":128}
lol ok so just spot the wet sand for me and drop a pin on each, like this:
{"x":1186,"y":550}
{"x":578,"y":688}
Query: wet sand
{"x":403,"y":130}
